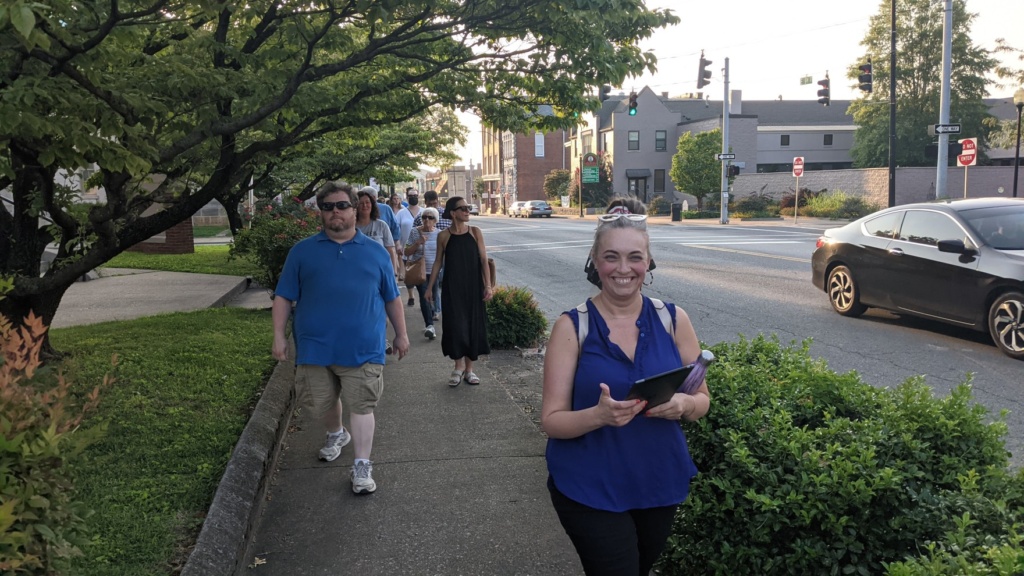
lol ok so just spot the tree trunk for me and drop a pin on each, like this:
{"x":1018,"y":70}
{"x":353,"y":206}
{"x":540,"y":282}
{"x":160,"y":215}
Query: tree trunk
{"x":44,"y":305}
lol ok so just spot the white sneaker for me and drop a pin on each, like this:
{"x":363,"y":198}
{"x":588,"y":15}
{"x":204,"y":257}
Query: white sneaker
{"x":335,"y":442}
{"x":362,"y":478}
{"x":429,"y":332}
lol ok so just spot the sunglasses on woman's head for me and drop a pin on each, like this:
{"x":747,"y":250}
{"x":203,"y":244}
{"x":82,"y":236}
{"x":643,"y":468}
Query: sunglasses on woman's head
{"x":330,"y":206}
{"x":616,"y":216}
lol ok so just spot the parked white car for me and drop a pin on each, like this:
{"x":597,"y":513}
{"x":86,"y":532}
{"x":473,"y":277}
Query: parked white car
{"x":536,"y":208}
{"x":514,"y":208}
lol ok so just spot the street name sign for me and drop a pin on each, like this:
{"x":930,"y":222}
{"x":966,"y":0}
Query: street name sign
{"x":970,"y":153}
{"x":947,"y":128}
{"x":591,"y":172}
{"x":798,"y":166}
{"x":725,"y":156}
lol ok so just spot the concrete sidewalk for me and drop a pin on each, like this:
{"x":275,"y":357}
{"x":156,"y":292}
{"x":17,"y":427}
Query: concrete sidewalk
{"x":460,"y":478}
{"x":124,"y":294}
{"x":460,"y":471}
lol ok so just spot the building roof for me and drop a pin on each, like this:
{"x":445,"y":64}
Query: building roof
{"x":609,"y":106}
{"x":1001,"y":108}
{"x":773,"y":112}
{"x":768,"y":112}
{"x":798,"y":112}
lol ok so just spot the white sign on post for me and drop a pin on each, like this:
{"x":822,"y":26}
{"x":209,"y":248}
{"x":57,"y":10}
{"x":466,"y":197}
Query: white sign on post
{"x":969,"y":157}
{"x":798,"y":171}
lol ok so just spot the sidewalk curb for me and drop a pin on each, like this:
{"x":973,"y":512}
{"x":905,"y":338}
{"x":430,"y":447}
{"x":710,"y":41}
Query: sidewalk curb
{"x":229,"y":525}
{"x":243,"y":285}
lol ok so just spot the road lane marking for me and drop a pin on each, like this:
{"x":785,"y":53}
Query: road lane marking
{"x":748,"y":253}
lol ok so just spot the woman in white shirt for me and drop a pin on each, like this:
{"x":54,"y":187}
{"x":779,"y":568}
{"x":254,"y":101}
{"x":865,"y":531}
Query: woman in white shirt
{"x":423,"y":244}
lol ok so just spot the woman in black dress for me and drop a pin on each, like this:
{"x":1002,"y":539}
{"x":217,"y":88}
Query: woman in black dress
{"x":465,"y":287}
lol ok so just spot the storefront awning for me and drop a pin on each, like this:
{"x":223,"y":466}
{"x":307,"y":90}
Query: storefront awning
{"x":638,"y":173}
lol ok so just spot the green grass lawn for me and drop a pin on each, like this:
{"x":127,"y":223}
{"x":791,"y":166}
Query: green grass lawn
{"x":205,"y":260}
{"x":186,"y":385}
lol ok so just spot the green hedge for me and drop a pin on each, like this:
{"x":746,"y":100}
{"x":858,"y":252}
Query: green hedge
{"x":514,"y":319}
{"x":805,"y":471}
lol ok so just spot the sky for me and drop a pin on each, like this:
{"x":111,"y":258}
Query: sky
{"x":772,"y":44}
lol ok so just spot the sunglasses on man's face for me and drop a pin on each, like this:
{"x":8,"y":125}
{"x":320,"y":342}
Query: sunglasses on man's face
{"x":330,"y":206}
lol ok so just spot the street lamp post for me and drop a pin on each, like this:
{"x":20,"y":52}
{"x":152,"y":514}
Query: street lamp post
{"x":1018,"y":101}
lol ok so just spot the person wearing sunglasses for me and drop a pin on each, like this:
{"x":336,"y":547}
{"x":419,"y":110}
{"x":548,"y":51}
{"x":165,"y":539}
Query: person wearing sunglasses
{"x":430,"y":199}
{"x":422,"y":244}
{"x":621,"y":207}
{"x":618,"y":473}
{"x":339,"y":340}
{"x":465,"y":289}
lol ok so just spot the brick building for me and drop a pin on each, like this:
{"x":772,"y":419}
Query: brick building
{"x":514,"y":165}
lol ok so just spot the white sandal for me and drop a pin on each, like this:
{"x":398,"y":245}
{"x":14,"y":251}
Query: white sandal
{"x":455,"y":378}
{"x":472,"y":378}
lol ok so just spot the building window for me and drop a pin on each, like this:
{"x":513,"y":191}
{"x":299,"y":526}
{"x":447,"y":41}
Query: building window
{"x":828,"y":139}
{"x":634,"y":140}
{"x":538,"y":145}
{"x":659,"y":181}
{"x":660,"y":137}
{"x":604,"y":142}
{"x":784,"y":140}
{"x":588,"y":143}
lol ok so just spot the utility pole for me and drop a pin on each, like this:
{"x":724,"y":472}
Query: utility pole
{"x":725,"y":143}
{"x":892,"y":104}
{"x":947,"y":56}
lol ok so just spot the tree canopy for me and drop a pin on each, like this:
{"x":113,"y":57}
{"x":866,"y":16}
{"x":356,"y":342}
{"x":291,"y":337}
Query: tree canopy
{"x":695,"y":171}
{"x":918,"y":83}
{"x":179,"y":103}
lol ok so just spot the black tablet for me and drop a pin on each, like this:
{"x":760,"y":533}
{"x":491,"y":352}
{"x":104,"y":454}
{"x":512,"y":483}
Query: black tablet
{"x":659,"y":389}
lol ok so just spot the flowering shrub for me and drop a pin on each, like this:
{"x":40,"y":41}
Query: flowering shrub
{"x":275,"y":229}
{"x":42,"y":525}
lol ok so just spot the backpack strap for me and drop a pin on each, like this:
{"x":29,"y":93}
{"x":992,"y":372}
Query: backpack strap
{"x":582,"y":324}
{"x":583,"y":320}
{"x":666,"y":317}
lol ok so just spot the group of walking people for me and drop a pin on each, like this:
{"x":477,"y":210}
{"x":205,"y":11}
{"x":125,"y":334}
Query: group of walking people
{"x":618,"y":469}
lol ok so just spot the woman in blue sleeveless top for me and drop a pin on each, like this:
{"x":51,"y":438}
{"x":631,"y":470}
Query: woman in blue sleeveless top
{"x":616,"y":473}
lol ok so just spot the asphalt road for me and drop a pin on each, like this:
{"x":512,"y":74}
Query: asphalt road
{"x":755,"y":278}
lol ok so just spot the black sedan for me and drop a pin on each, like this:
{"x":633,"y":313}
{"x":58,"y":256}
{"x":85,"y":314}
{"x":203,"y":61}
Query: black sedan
{"x":956,"y":261}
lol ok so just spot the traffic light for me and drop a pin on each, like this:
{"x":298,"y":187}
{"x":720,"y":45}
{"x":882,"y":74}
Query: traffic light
{"x":632,"y":103}
{"x":865,"y":77}
{"x":605,"y":91}
{"x":734,"y":170}
{"x":824,"y":95}
{"x":703,"y":75}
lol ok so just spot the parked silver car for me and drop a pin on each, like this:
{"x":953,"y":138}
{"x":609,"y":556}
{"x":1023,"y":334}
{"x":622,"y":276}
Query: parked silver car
{"x":536,"y":208}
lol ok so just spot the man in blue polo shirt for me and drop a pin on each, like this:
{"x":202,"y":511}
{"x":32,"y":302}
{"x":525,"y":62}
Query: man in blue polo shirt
{"x":342,"y":284}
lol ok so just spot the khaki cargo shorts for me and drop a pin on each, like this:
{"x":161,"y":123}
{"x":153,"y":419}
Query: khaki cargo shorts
{"x":359,"y":387}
